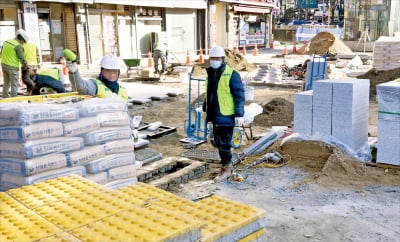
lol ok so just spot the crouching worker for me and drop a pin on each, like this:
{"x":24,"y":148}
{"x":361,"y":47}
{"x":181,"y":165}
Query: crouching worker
{"x":52,"y":78}
{"x":105,"y":85}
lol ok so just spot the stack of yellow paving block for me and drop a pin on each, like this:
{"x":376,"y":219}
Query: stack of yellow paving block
{"x":73,"y":208}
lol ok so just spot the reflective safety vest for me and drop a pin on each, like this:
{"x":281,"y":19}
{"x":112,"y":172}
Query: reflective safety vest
{"x":52,"y":72}
{"x":30,"y":51}
{"x":104,"y":91}
{"x":161,"y":47}
{"x":9,"y":54}
{"x":225,"y":97}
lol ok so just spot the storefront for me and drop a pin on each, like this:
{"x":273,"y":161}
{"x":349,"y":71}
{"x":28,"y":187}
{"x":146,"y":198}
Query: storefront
{"x":8,"y":20}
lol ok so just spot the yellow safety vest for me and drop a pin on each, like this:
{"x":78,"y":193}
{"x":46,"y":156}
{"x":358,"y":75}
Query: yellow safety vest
{"x":225,"y":97}
{"x":30,"y":51}
{"x":52,"y":72}
{"x":104,"y":91}
{"x":9,"y":54}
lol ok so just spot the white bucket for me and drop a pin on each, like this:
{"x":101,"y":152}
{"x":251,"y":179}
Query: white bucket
{"x":249,"y":93}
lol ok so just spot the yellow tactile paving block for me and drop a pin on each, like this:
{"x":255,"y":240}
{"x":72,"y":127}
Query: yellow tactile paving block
{"x":81,"y":209}
{"x":52,"y":190}
{"x":9,"y":204}
{"x":151,"y":195}
{"x":221,"y":216}
{"x":256,"y":236}
{"x":60,"y":237}
{"x":141,"y":223}
{"x":18,"y":223}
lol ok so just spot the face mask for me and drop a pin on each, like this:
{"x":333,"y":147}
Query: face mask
{"x":215,"y":64}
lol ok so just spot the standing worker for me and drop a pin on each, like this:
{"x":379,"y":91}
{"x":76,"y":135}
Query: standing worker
{"x":106,"y":85}
{"x":52,"y":77}
{"x":12,"y":55}
{"x":160,"y":52}
{"x":224,"y":106}
{"x":33,"y":58}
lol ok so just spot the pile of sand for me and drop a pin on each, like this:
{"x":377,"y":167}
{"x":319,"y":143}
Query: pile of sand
{"x":377,"y":77}
{"x":322,"y":43}
{"x":277,"y":112}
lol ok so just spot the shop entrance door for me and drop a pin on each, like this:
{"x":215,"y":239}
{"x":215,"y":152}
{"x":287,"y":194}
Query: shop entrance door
{"x":95,"y":37}
{"x":45,"y":34}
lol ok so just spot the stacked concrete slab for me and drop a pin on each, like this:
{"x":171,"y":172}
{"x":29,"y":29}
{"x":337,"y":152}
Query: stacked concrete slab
{"x":339,"y":109}
{"x":389,"y":123}
{"x":386,"y":53}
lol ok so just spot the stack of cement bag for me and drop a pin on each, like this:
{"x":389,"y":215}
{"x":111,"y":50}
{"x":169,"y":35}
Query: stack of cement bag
{"x":91,"y":138}
{"x":386,"y":53}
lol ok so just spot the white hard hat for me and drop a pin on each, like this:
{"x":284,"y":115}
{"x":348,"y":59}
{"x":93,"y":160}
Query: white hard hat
{"x":217,"y":51}
{"x":111,"y":62}
{"x":23,"y":34}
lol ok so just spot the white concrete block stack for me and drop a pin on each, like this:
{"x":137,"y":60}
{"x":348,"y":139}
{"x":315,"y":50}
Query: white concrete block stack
{"x":339,"y":109}
{"x":43,"y":141}
{"x":303,"y":112}
{"x":389,"y":123}
{"x":386,"y":53}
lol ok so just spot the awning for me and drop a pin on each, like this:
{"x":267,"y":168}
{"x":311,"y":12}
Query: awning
{"x":250,"y":3}
{"x":239,"y":8}
{"x":195,"y":4}
{"x":61,"y":1}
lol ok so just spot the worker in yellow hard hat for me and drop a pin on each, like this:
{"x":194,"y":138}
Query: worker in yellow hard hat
{"x":33,"y":58}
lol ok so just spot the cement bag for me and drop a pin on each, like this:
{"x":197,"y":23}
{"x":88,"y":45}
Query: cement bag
{"x":34,"y":148}
{"x":31,"y":132}
{"x":81,"y":126}
{"x":100,"y":178}
{"x":82,"y":157}
{"x":9,"y":180}
{"x":121,"y":183}
{"x":107,"y":134}
{"x":114,"y":119}
{"x":95,"y":106}
{"x":9,"y":113}
{"x":119,"y":146}
{"x":250,"y":111}
{"x":122,"y":172}
{"x":33,"y":113}
{"x":110,"y":161}
{"x":33,"y":166}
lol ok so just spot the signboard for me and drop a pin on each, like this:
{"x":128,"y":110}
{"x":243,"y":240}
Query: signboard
{"x":307,"y":4}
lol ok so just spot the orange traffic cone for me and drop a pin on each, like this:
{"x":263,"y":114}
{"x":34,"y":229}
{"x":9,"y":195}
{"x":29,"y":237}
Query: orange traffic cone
{"x":285,"y":51}
{"x":294,"y":50}
{"x":255,"y":51}
{"x":201,"y":60}
{"x":187,"y":58}
{"x":244,"y":50}
{"x":150,"y":62}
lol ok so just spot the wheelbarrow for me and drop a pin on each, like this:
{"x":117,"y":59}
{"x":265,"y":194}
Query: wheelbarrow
{"x":132,"y":64}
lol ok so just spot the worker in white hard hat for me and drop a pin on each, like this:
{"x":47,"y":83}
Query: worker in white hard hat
{"x":105,"y":85}
{"x":12,"y":57}
{"x":224,"y":107}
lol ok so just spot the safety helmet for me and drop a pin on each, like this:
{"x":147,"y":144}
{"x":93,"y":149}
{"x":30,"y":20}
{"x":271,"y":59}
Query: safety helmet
{"x":110,"y":62}
{"x":217,"y":51}
{"x":23,"y":34}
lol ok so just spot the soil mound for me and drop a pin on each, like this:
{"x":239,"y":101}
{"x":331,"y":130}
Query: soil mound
{"x":377,"y":77}
{"x":278,"y":112}
{"x":324,"y":42}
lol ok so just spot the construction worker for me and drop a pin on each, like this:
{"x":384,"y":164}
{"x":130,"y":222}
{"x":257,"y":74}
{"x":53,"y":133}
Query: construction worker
{"x":12,"y":55}
{"x":160,"y":53}
{"x":48,"y":78}
{"x":33,"y":58}
{"x":106,"y":85}
{"x":224,"y":106}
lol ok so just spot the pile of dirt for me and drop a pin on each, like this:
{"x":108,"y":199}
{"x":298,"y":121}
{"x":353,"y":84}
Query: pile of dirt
{"x":377,"y":77}
{"x":277,"y":112}
{"x":322,"y":43}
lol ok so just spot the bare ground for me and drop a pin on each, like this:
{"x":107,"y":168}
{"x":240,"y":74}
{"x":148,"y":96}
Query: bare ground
{"x":321,"y":194}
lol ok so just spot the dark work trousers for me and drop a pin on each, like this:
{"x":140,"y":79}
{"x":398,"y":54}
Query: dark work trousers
{"x":223,"y":137}
{"x":26,"y":78}
{"x":46,"y":81}
{"x":156,"y":56}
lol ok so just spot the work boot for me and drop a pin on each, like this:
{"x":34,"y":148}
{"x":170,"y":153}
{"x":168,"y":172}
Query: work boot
{"x":224,"y":174}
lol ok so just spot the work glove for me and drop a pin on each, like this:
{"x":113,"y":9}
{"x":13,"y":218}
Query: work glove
{"x":199,"y":109}
{"x":72,"y":67}
{"x":239,"y":121}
